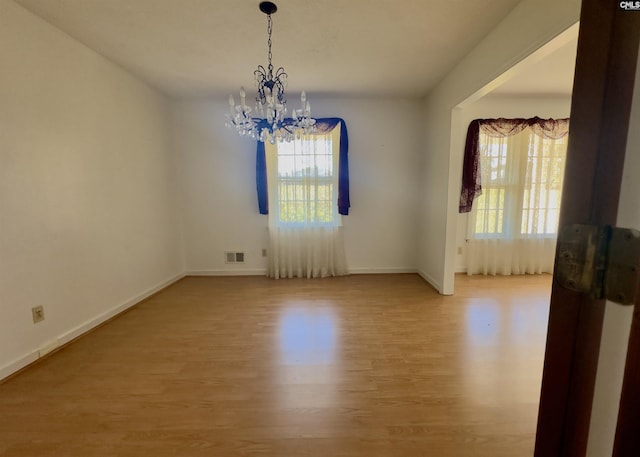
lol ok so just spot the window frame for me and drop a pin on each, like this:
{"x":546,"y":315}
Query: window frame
{"x":273,"y":154}
{"x":513,"y":183}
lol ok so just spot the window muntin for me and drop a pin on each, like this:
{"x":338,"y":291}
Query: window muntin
{"x":521,"y":191}
{"x":305,"y":172}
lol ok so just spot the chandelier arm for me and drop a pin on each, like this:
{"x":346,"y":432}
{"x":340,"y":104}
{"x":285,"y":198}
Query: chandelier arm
{"x":261,"y":77}
{"x":289,"y":127}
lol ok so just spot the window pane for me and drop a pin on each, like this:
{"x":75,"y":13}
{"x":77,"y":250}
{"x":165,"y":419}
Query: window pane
{"x":490,"y":211}
{"x":306,"y":179}
{"x":543,"y":186}
{"x":522,"y":185}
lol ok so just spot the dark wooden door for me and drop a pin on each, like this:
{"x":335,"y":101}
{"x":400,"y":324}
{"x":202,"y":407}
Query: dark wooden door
{"x":601,"y":102}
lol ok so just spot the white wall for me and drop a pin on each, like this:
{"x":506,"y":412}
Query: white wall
{"x":87,"y":188}
{"x":527,"y":27}
{"x":218,"y":172}
{"x":494,"y":107}
{"x":219,"y":209}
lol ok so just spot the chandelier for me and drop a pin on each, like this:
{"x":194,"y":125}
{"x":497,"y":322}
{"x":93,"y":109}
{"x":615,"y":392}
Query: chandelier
{"x":271,"y":103}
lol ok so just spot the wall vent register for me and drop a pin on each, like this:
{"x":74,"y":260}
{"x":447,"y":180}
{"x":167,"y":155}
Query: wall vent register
{"x":234,"y":257}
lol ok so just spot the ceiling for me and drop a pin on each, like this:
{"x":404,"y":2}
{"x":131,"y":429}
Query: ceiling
{"x":194,"y":48}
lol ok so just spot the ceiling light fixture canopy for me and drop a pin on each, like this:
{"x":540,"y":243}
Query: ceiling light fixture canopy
{"x":271,"y":102}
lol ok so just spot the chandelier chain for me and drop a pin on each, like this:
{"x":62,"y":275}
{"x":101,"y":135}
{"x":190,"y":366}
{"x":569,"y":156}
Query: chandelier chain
{"x":269,"y":28}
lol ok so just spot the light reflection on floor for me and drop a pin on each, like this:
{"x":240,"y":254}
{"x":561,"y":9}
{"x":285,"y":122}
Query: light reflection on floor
{"x":483,"y":323}
{"x":307,"y":336}
{"x":494,"y":333}
{"x":308,"y":345}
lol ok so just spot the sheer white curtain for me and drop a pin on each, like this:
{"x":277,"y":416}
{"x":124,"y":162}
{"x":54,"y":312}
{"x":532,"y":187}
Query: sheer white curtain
{"x":513,"y":224}
{"x":305,"y":233}
{"x":511,"y":256}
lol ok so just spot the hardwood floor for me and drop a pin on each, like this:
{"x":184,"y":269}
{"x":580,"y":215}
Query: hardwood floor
{"x":246,"y":366}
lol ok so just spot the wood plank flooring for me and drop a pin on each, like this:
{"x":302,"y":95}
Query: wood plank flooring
{"x":376,"y":365}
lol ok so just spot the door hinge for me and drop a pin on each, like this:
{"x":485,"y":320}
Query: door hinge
{"x":603,"y":262}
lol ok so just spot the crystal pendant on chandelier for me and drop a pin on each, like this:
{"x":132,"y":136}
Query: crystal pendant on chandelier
{"x":271,"y":103}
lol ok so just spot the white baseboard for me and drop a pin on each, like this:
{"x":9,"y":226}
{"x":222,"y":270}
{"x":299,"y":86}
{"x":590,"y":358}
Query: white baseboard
{"x":70,"y":335}
{"x":249,"y":272}
{"x":432,"y":282}
{"x":18,"y":364}
{"x":263,"y":272}
{"x":48,"y":347}
{"x":381,"y":271}
{"x":83,"y":328}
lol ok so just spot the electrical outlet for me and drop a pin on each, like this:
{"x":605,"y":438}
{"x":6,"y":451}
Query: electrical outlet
{"x":38,"y":314}
{"x":459,"y":250}
{"x":264,"y":253}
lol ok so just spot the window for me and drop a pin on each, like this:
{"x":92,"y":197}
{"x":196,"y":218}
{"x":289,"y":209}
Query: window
{"x":304,"y":188}
{"x":521,"y":185}
{"x":511,"y":187}
{"x":303,"y":180}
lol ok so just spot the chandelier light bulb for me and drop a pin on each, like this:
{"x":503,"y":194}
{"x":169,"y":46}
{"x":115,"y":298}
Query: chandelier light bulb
{"x":232,"y":104}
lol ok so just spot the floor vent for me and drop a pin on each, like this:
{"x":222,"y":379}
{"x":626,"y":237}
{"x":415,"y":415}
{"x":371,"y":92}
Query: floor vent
{"x":234,"y":257}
